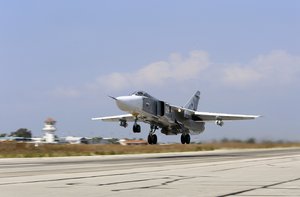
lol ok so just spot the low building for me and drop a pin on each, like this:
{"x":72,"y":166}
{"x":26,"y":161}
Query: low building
{"x":15,"y":139}
{"x":74,"y":140}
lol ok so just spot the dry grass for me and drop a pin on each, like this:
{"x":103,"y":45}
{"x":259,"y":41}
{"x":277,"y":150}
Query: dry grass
{"x":10,"y":149}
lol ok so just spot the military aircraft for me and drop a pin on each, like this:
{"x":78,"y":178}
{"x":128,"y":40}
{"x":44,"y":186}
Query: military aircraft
{"x":171,"y":119}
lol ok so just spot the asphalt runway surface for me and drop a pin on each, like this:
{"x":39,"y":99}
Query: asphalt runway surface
{"x":268,"y":172}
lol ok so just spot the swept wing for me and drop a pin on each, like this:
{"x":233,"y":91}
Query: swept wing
{"x":127,"y":117}
{"x":207,"y":116}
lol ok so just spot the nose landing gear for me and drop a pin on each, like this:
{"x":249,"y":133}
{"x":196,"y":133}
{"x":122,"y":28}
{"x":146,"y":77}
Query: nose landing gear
{"x":136,"y":127}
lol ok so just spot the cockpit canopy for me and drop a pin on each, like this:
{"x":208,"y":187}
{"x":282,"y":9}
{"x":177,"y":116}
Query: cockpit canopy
{"x":142,"y":93}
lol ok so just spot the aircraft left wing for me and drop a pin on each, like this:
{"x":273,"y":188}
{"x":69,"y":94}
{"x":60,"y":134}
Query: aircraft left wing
{"x":127,"y":117}
{"x":207,"y":116}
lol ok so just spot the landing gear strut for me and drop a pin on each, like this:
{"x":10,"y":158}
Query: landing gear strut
{"x":152,"y":137}
{"x":185,"y":138}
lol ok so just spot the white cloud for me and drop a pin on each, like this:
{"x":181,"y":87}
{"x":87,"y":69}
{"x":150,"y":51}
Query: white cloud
{"x":176,"y":69}
{"x":273,"y":69}
{"x":239,"y":76}
{"x":276,"y":68}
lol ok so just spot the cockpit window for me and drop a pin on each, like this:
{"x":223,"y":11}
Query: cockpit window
{"x":142,"y":93}
{"x":139,"y":93}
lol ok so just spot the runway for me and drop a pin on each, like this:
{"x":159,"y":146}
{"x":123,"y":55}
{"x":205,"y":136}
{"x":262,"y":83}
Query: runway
{"x":268,"y":172}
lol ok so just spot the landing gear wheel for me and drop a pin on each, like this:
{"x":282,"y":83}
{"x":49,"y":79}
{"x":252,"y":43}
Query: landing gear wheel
{"x":182,"y":139}
{"x":136,"y":128}
{"x":152,"y":139}
{"x":185,"y":139}
{"x":149,"y":139}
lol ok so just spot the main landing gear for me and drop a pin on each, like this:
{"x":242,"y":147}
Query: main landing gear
{"x":152,"y":137}
{"x":185,"y":138}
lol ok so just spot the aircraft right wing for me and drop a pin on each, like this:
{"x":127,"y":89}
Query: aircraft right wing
{"x":207,"y":116}
{"x":127,"y":117}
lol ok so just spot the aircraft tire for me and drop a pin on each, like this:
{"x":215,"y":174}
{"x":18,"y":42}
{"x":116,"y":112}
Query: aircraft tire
{"x":187,"y":138}
{"x":150,"y":139}
{"x":154,"y":139}
{"x":182,"y":139}
{"x":136,"y":128}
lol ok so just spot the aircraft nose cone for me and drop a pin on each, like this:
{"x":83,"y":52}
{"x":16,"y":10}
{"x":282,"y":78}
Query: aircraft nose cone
{"x":129,"y":103}
{"x":123,"y":102}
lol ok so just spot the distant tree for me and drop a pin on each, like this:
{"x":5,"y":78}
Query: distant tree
{"x":22,"y":132}
{"x":251,"y":141}
{"x":237,"y":141}
{"x":225,"y":140}
{"x":96,"y":140}
{"x":113,"y":141}
{"x":3,"y":135}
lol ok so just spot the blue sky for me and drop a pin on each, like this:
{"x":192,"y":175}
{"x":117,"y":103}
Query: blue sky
{"x":61,"y":59}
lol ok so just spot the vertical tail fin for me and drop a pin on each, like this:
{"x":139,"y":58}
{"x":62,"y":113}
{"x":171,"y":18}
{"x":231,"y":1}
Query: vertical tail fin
{"x":193,"y":102}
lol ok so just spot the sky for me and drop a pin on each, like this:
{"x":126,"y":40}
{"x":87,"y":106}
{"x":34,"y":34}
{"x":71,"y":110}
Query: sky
{"x":62,"y":58}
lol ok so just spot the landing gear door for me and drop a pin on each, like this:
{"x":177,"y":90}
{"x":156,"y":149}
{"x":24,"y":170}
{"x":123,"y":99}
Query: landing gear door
{"x":160,"y":108}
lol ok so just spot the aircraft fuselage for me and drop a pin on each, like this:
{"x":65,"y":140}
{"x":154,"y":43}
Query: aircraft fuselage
{"x":156,"y":112}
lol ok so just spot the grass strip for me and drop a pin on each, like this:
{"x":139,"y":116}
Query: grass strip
{"x":23,"y":150}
